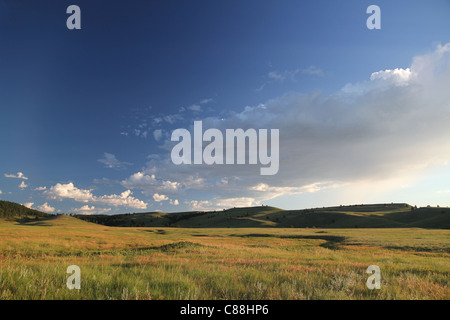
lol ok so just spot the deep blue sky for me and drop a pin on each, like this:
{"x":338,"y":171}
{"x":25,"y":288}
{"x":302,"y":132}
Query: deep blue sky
{"x":67,"y":97}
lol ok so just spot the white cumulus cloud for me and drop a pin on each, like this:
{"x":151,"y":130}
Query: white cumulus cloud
{"x":202,"y":205}
{"x":28,"y":204}
{"x":69,"y":191}
{"x":19,"y":175}
{"x":235,"y":202}
{"x":160,"y":197}
{"x":88,"y":210}
{"x":149,"y":183}
{"x":23,"y":185}
{"x":46,"y":208}
{"x":221,"y":203}
{"x":398,"y":76}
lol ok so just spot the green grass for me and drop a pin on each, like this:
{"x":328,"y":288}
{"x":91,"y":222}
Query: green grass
{"x":219,"y":263}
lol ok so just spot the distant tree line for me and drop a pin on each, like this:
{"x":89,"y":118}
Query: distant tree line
{"x":107,"y":220}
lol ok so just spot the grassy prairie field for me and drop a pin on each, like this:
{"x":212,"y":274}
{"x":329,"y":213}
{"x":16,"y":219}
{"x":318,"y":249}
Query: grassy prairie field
{"x":219,"y":263}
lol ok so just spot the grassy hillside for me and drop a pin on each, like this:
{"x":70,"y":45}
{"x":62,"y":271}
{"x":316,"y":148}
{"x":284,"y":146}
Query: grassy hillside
{"x":15,"y":210}
{"x":358,"y":216}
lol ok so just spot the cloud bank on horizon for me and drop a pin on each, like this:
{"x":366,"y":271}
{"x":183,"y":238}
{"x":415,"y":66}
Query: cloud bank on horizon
{"x":390,"y":127}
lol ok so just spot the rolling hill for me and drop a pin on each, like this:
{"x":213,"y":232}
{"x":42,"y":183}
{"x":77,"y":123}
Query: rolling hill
{"x":398,"y":215}
{"x":15,"y":210}
{"x":394,"y":215}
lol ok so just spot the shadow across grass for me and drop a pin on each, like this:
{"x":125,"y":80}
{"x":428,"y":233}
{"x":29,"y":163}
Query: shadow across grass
{"x":332,"y":242}
{"x":171,"y":247}
{"x":419,"y":249}
{"x":159,"y":231}
{"x":35,"y":221}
